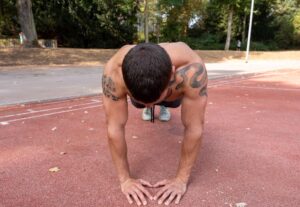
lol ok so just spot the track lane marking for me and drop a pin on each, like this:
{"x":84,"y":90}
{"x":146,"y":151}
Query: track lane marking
{"x":48,"y":109}
{"x":267,"y":88}
{"x":49,"y":114}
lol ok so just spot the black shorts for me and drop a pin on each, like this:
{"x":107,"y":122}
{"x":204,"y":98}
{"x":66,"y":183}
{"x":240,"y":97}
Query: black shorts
{"x":169,"y":104}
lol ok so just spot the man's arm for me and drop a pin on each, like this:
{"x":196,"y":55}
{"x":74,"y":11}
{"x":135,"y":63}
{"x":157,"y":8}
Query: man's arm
{"x":116,"y":111}
{"x":116,"y":117}
{"x":192,"y":115}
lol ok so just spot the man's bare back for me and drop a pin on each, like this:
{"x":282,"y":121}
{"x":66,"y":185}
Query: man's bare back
{"x":187,"y":81}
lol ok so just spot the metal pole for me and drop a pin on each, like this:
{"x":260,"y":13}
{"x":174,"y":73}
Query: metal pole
{"x":146,"y":22}
{"x":249,"y":31}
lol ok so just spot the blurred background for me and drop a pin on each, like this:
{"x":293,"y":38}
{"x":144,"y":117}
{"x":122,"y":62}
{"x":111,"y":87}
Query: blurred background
{"x":203,"y":24}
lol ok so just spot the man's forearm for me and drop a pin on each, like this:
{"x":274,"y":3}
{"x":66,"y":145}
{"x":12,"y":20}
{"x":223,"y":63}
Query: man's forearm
{"x":189,"y":151}
{"x":118,"y":149}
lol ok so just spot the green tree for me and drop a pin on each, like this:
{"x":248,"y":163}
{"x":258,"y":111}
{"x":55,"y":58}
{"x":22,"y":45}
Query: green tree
{"x":227,"y":19}
{"x":234,"y":8}
{"x":87,"y":23}
{"x":285,"y":11}
{"x":8,"y":19}
{"x":177,"y":15}
{"x":296,"y":24}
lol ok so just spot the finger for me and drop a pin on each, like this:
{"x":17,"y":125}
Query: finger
{"x":135,"y":197}
{"x":170,"y":199}
{"x":160,"y":183}
{"x":141,"y":196}
{"x":178,"y":199}
{"x":164,"y":196}
{"x":160,"y":193}
{"x":129,"y":199}
{"x":146,"y":183}
{"x":145,"y":191}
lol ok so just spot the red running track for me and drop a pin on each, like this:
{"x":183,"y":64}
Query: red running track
{"x":250,"y":152}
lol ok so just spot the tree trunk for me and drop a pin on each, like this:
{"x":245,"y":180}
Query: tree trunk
{"x":26,"y":22}
{"x":244,"y":29}
{"x":227,"y":45}
{"x":185,"y":29}
{"x":157,"y":32}
{"x":146,"y":30}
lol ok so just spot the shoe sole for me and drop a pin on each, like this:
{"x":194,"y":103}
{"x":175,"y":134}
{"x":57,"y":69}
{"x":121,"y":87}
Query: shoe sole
{"x":164,"y":119}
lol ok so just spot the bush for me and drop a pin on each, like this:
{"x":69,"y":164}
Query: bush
{"x":296,"y":24}
{"x":261,"y":46}
{"x":284,"y":35}
{"x":215,"y":42}
{"x":205,"y":42}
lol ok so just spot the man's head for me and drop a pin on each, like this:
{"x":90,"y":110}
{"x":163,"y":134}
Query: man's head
{"x":147,"y":70}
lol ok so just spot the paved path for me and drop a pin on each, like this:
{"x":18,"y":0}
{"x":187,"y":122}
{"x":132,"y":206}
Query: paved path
{"x":45,"y":83}
{"x":22,"y":85}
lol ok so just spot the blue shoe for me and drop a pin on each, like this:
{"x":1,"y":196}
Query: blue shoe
{"x":164,"y":114}
{"x":146,"y":115}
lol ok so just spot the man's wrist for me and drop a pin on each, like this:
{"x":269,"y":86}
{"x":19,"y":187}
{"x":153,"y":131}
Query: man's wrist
{"x":123,"y":179}
{"x":183,"y":179}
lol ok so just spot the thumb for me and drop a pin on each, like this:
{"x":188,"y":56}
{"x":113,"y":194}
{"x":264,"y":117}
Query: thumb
{"x":160,"y":183}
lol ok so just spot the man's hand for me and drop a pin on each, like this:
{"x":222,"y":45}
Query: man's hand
{"x":171,"y":189}
{"x":134,"y":190}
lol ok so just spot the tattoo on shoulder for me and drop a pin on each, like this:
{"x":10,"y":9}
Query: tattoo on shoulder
{"x":198,"y":79}
{"x":108,"y":87}
{"x":182,"y":74}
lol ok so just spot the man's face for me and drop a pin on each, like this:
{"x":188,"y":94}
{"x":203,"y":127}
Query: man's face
{"x":161,"y":98}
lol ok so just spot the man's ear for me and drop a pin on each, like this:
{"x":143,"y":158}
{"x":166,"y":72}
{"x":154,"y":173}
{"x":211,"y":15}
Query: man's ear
{"x":173,"y":72}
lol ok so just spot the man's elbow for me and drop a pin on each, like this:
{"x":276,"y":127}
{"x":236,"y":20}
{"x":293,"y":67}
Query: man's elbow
{"x":194,"y":132}
{"x":115,"y":132}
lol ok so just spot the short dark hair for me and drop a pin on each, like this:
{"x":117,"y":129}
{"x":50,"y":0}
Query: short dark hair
{"x":147,"y":70}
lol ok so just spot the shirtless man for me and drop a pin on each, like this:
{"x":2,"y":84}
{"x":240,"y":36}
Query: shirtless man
{"x":169,"y":74}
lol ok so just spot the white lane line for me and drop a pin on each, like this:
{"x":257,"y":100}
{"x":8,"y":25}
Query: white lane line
{"x":221,"y":83}
{"x":268,"y":88}
{"x":234,"y":78}
{"x":248,"y":77}
{"x":49,"y":114}
{"x":4,"y":123}
{"x":44,"y":110}
{"x":224,"y":83}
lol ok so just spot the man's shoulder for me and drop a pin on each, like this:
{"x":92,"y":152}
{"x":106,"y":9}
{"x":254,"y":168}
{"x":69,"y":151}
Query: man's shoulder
{"x":180,"y":53}
{"x":113,"y":70}
{"x":173,"y":45}
{"x":113,"y":85}
{"x":117,"y":59}
{"x":113,"y":77}
{"x":192,"y":78}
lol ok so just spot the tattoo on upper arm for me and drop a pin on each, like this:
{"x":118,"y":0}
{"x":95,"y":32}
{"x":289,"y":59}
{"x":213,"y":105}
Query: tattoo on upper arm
{"x":202,"y":83}
{"x":194,"y":81}
{"x":108,"y":87}
{"x":182,"y":73}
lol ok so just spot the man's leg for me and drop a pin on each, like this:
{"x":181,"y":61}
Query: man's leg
{"x":165,"y":114}
{"x":146,"y":115}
